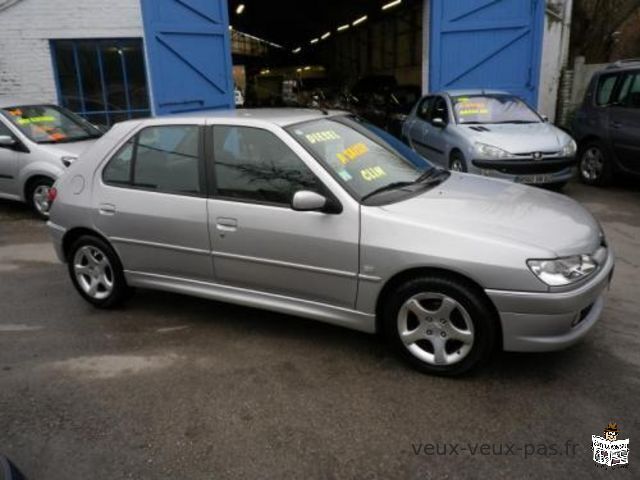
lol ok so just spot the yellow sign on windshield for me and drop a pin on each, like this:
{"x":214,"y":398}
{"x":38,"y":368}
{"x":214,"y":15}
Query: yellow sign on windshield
{"x":324,"y":136}
{"x":30,"y":120}
{"x":351,"y":153}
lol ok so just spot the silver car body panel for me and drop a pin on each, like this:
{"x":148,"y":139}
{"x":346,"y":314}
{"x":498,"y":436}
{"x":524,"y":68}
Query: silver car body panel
{"x":333,"y":267}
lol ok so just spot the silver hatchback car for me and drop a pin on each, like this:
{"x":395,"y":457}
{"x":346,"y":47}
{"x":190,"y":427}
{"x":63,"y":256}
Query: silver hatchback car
{"x":321,"y":215}
{"x":490,"y":133}
{"x":37,"y":144}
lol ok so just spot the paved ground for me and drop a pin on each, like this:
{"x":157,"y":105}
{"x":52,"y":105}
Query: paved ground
{"x":175,"y":387}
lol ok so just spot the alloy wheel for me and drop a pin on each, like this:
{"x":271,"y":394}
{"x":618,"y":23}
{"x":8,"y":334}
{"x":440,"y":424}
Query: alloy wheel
{"x":41,"y":199}
{"x":93,"y":272}
{"x":435,"y":328}
{"x":456,"y":165}
{"x":592,"y":164}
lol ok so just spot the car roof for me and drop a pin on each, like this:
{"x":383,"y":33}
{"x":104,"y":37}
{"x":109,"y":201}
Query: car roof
{"x":278,"y":116}
{"x":623,"y":65}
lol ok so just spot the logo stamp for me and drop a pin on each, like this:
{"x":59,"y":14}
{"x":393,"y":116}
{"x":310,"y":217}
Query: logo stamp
{"x":610,"y":451}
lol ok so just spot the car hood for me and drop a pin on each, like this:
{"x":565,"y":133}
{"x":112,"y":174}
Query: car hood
{"x":493,"y":209}
{"x":71,"y":148}
{"x":519,"y":138}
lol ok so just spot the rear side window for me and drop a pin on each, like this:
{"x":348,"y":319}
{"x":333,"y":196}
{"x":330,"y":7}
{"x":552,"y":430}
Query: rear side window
{"x":162,"y":158}
{"x":252,"y":164}
{"x":605,"y":89}
{"x":629,"y":95}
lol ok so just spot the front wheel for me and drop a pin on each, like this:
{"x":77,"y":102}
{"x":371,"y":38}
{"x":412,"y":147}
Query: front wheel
{"x":457,"y":163}
{"x":38,"y":196}
{"x":595,"y":165}
{"x":440,"y":325}
{"x":96,"y":272}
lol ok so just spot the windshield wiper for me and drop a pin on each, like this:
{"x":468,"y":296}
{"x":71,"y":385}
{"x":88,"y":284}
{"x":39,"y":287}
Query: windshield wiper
{"x":517,"y":121}
{"x":433,"y":174}
{"x":385,"y":188}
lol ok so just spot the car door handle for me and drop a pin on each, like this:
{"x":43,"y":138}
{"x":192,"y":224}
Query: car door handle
{"x":107,"y":209}
{"x":226,"y":224}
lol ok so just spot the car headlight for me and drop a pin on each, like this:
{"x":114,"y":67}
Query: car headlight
{"x":563,"y":271}
{"x":68,"y":160}
{"x":570,"y":149}
{"x":491,"y":151}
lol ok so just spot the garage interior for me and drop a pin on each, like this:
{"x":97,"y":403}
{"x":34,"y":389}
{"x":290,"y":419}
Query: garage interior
{"x":332,"y":54}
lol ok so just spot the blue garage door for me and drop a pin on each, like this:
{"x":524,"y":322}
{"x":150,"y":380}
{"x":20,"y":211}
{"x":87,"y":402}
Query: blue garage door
{"x":486,"y":44}
{"x":189,"y":54}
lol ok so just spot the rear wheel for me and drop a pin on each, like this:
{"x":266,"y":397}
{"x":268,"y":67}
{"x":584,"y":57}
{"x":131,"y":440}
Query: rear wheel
{"x":595,"y":165}
{"x":439,"y":325}
{"x":37,"y":194}
{"x":457,"y":163}
{"x":96,"y":272}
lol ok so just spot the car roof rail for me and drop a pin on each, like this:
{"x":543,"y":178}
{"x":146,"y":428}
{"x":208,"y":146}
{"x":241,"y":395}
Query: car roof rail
{"x":623,"y":62}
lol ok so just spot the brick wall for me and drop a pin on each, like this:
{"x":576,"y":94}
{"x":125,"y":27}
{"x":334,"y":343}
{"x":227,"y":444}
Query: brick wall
{"x":26,"y":26}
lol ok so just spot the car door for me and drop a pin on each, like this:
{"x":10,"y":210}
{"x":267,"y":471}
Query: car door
{"x":435,"y":137}
{"x":9,"y":158}
{"x":624,"y":123}
{"x":259,"y":242}
{"x":419,"y":127}
{"x":150,"y":201}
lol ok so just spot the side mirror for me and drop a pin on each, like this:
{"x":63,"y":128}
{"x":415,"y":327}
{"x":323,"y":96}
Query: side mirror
{"x":7,"y":141}
{"x":438,"y":122}
{"x":307,"y":201}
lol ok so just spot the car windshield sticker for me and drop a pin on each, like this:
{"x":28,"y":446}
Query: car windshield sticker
{"x":373,"y":173}
{"x":346,"y":176}
{"x":472,"y":108}
{"x":324,"y":136}
{"x":351,"y":153}
{"x":35,"y":120}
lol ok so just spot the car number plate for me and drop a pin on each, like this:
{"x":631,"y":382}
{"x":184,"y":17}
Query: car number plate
{"x":535,"y":179}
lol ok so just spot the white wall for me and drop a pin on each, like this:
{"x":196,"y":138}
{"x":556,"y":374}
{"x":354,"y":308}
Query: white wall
{"x":555,"y":51}
{"x":26,"y":26}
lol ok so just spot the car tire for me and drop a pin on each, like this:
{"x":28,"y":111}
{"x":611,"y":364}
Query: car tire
{"x":457,"y":162}
{"x":440,"y":325}
{"x":96,"y":272}
{"x":594,"y":164}
{"x":36,"y":194}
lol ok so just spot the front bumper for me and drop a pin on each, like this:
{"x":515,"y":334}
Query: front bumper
{"x":56,"y":232}
{"x":538,"y":322}
{"x":551,"y":170}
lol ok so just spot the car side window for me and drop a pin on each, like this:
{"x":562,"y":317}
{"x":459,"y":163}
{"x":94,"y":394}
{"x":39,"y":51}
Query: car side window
{"x":440,"y":110}
{"x":163,"y":158}
{"x":4,"y":130}
{"x":252,"y":164}
{"x":423,"y":108}
{"x":629,"y":95}
{"x":606,"y":85}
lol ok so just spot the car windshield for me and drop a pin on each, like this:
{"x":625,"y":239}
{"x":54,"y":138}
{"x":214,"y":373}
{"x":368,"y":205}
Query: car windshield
{"x":483,"y":109}
{"x":50,"y":124}
{"x":364,"y":158}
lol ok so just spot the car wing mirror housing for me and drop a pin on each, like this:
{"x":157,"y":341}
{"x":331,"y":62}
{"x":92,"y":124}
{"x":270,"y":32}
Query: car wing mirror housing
{"x":308,"y":201}
{"x":438,"y":122}
{"x":7,"y":141}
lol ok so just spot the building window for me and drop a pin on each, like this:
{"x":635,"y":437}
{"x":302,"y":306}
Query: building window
{"x":102,"y":80}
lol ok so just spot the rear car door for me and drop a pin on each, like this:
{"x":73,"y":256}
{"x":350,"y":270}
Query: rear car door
{"x":624,"y":122}
{"x":9,"y":157}
{"x":150,"y":201}
{"x":259,"y":242}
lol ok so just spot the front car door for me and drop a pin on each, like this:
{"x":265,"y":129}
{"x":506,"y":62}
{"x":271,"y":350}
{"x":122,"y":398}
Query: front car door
{"x":259,"y":242}
{"x":9,"y":158}
{"x":420,"y":126}
{"x":150,"y":202}
{"x":624,"y":122}
{"x":435,"y":139}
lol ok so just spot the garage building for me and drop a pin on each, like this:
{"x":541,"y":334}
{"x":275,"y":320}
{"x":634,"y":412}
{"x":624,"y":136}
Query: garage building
{"x":121,"y":59}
